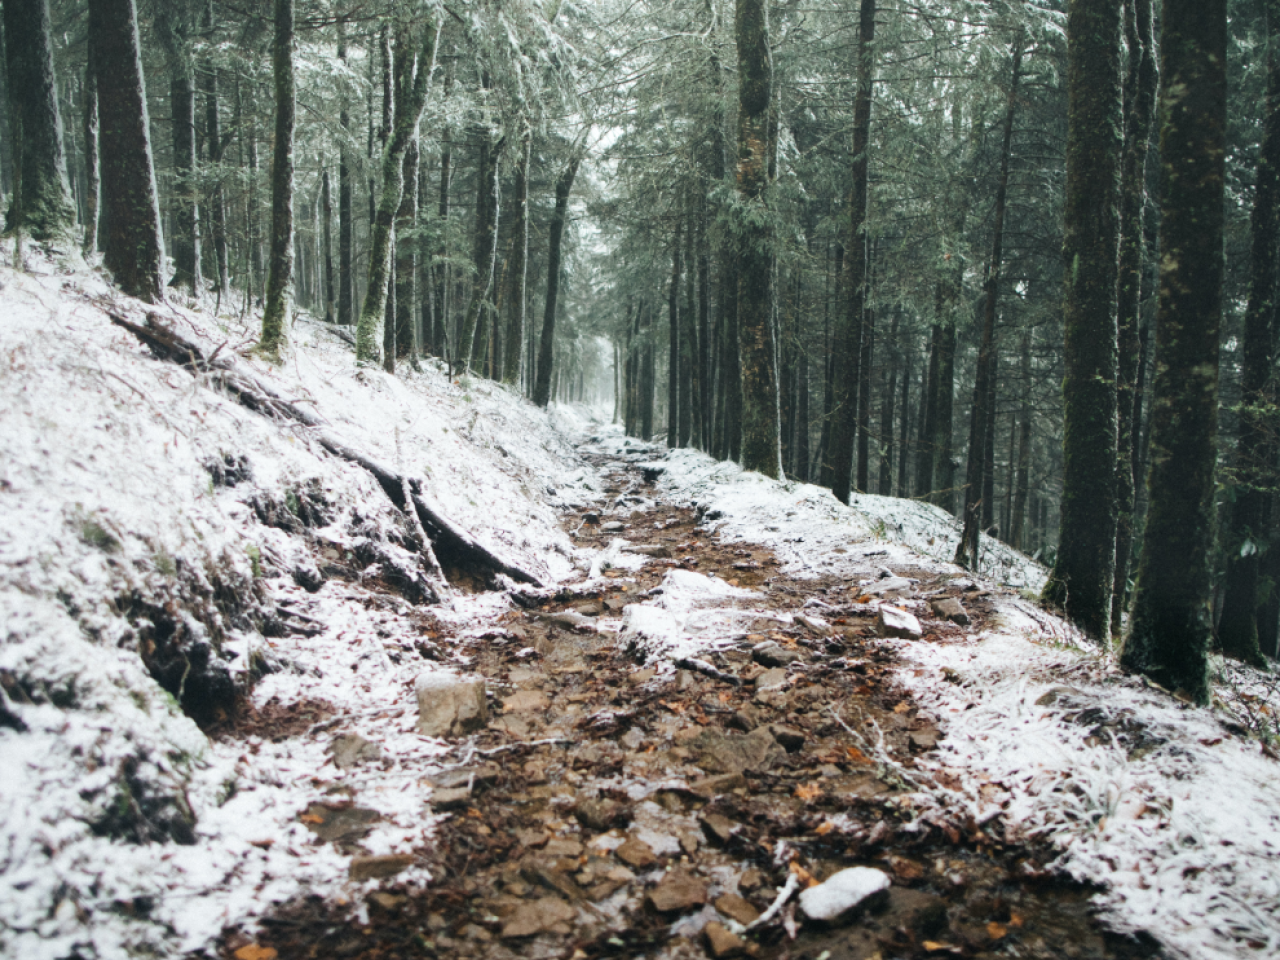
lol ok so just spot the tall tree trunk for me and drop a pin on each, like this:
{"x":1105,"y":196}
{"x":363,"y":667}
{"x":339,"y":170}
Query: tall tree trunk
{"x":519,"y":269}
{"x":485,"y":247}
{"x":866,"y":359}
{"x":41,"y":206}
{"x":646,"y":372}
{"x":419,"y":60}
{"x":185,"y":242}
{"x":1017,"y":521}
{"x":759,"y":402}
{"x":1084,"y":573}
{"x":692,"y":387}
{"x":945,"y":463}
{"x":440,"y":333}
{"x":968,"y":550}
{"x":406,"y":257}
{"x":1140,"y":98}
{"x":546,"y":344}
{"x":1245,"y":538}
{"x":326,"y":227}
{"x":346,"y":212}
{"x":92,"y":167}
{"x":279,"y":303}
{"x":217,"y":198}
{"x":926,"y":449}
{"x":884,"y":482}
{"x":904,"y":435}
{"x":133,"y":250}
{"x":673,"y":344}
{"x":848,"y":337}
{"x":1171,"y":624}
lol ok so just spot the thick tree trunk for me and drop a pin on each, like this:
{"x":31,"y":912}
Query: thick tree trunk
{"x":485,"y":247}
{"x":1171,"y":625}
{"x":41,"y":206}
{"x":646,"y":372}
{"x":1084,"y":574}
{"x":1017,"y":521}
{"x":278,"y":309}
{"x":407,"y":259}
{"x":133,"y":250}
{"x":888,"y":397}
{"x":673,"y":345}
{"x":346,"y":214}
{"x":418,"y":60}
{"x":692,"y":386}
{"x":945,"y":464}
{"x":866,"y":360}
{"x":519,"y":270}
{"x":326,"y":229}
{"x":1245,"y":539}
{"x":1140,"y":98}
{"x":904,"y":436}
{"x":926,"y":449}
{"x":185,"y":242}
{"x":217,"y":198}
{"x":546,"y":344}
{"x":848,"y":337}
{"x":92,"y":167}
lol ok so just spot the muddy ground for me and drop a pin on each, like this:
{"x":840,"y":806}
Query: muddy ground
{"x":605,"y":811}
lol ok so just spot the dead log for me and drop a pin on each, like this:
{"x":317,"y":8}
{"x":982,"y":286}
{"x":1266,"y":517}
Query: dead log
{"x":453,"y":545}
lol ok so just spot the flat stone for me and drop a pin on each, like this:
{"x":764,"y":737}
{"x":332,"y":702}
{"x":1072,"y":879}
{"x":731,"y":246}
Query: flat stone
{"x":526,"y":701}
{"x":537,"y":916}
{"x":711,"y":787}
{"x":770,"y":653}
{"x":720,"y":752}
{"x":892,"y":622}
{"x":842,"y":894}
{"x":613,"y":526}
{"x":450,"y":705}
{"x":719,"y":827}
{"x":721,"y":942}
{"x":338,"y":824}
{"x":636,"y":853}
{"x":379,"y":868}
{"x":891,"y":587}
{"x":677,"y":891}
{"x":481,"y":774}
{"x":450,"y":798}
{"x":563,"y":847}
{"x":737,"y":908}
{"x":599,"y":814}
{"x":922,"y":740}
{"x":950,"y":609}
{"x":773,"y":679}
{"x":350,"y":749}
{"x":789,"y":738}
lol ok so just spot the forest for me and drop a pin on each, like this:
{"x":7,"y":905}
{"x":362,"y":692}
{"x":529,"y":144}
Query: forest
{"x":1002,"y":269}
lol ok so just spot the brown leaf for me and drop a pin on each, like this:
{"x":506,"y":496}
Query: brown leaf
{"x":826,"y":827}
{"x":857,"y":756}
{"x":809,"y":791}
{"x":311,"y":818}
{"x":996,"y":930}
{"x":255,"y":952}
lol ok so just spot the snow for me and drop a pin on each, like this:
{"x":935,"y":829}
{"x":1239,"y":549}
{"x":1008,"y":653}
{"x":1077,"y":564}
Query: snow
{"x":842,"y":892}
{"x":106,"y":497}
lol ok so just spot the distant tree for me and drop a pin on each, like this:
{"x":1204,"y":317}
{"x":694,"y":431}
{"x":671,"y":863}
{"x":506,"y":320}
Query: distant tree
{"x":133,"y":250}
{"x":279,"y":302}
{"x":1171,"y":624}
{"x":41,"y":205}
{"x":555,"y":239}
{"x":173,"y":25}
{"x":1083,"y":575}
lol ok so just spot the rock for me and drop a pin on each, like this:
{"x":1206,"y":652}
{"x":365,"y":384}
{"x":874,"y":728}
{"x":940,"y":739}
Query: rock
{"x":563,"y":847}
{"x":892,"y":622}
{"x":378,"y":868}
{"x":719,"y":827}
{"x":599,"y":814}
{"x":449,"y":705}
{"x":526,"y":701}
{"x":351,"y":748}
{"x":751,"y":879}
{"x":537,"y":916}
{"x":789,"y":738}
{"x":721,"y":942}
{"x":613,"y":526}
{"x":770,"y":653}
{"x":891,"y":587}
{"x":482,"y":774}
{"x":773,"y":679}
{"x":923,"y":740}
{"x":816,"y":626}
{"x":737,"y":908}
{"x":339,"y":824}
{"x":636,"y":853}
{"x":450,"y":798}
{"x":677,"y":891}
{"x":642,"y":676}
{"x":843,"y":893}
{"x":950,"y":609}
{"x":590,"y":608}
{"x":711,"y":787}
{"x":720,"y":752}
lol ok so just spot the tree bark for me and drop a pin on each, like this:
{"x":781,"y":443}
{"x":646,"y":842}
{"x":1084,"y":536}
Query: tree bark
{"x":674,"y":438}
{"x":1084,"y":573}
{"x":485,"y":246}
{"x":346,"y":213}
{"x":41,"y":204}
{"x":1171,"y":626}
{"x":93,"y":170}
{"x":326,"y":226}
{"x":1017,"y":520}
{"x":133,"y":250}
{"x":217,"y":198}
{"x":407,"y":259}
{"x":849,"y":328}
{"x":278,"y":309}
{"x":185,"y":242}
{"x":519,"y":269}
{"x":546,"y":344}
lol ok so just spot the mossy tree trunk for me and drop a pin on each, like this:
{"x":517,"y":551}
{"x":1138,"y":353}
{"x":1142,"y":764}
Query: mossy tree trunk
{"x":279,"y":300}
{"x":546,"y":344}
{"x":1245,"y":537}
{"x":1083,"y":576}
{"x":848,"y":332}
{"x":132,"y":249}
{"x":1171,"y":624}
{"x":41,"y":205}
{"x":1141,"y":85}
{"x":418,"y":61}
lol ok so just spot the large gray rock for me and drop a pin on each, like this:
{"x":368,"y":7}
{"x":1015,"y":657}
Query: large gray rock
{"x":950,"y":609}
{"x":898,"y":623}
{"x":450,"y":705}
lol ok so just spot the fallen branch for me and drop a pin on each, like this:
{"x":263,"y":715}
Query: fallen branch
{"x":706,"y":669}
{"x":451,"y":542}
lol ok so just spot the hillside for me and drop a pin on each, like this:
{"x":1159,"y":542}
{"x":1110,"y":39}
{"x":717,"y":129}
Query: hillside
{"x":216,"y":612}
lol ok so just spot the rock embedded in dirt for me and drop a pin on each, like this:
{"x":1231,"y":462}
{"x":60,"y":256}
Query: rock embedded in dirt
{"x":600,"y":814}
{"x":719,"y":827}
{"x":526,"y":701}
{"x":923,"y":740}
{"x":789,"y":738}
{"x":450,"y":705}
{"x":839,"y":896}
{"x":636,"y":853}
{"x":771,"y":680}
{"x":450,"y":798}
{"x":719,"y":752}
{"x":711,"y":787}
{"x":899,"y":587}
{"x":737,"y":908}
{"x":721,"y":942}
{"x":379,"y":868}
{"x":350,"y":749}
{"x":537,"y":916}
{"x":892,"y":622}
{"x":613,"y":526}
{"x":677,"y":891}
{"x":770,"y":653}
{"x":950,"y":609}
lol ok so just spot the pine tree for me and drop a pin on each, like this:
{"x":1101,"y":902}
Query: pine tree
{"x":278,"y":308}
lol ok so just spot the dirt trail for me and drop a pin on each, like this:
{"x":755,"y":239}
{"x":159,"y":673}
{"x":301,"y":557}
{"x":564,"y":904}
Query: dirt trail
{"x":611,"y":808}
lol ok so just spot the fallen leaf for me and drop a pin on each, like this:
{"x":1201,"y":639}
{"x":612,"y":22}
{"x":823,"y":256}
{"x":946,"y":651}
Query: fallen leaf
{"x":902,"y":707}
{"x":725,"y":696}
{"x":255,"y":952}
{"x":803,"y":875}
{"x":311,"y":818}
{"x":996,"y":930}
{"x":857,"y":756}
{"x":933,"y":946}
{"x":826,"y":827}
{"x":809,"y":791}
{"x":1015,"y":919}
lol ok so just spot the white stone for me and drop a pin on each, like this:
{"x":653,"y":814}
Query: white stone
{"x":449,"y":705}
{"x":843,"y":892}
{"x":898,"y":623}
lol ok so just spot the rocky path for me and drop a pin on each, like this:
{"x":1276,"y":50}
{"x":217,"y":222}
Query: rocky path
{"x":619,"y":804}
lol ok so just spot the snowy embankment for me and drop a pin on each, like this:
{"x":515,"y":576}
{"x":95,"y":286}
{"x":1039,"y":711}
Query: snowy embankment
{"x":155,"y":534}
{"x":1158,"y":802}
